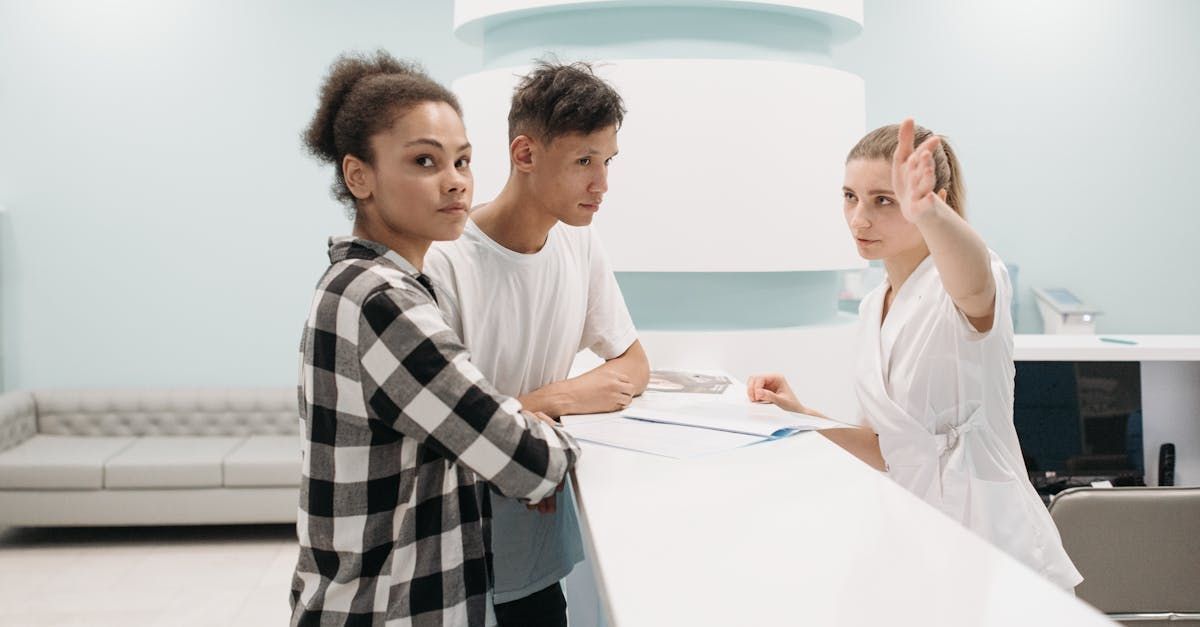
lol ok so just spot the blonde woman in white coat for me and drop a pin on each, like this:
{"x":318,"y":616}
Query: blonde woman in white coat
{"x":934,"y":373}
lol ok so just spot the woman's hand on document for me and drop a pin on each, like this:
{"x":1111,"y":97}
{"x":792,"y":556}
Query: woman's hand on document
{"x":774,"y":388}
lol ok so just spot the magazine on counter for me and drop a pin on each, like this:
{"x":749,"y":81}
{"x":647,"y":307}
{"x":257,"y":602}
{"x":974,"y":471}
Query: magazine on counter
{"x":687,"y":382}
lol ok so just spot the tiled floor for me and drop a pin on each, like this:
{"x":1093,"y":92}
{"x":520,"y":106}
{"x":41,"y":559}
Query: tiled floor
{"x":135,"y":576}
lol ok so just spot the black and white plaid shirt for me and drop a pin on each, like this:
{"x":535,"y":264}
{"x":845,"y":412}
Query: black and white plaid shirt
{"x":402,"y":437}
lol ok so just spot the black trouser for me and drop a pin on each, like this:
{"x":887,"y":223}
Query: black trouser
{"x":544,"y":608}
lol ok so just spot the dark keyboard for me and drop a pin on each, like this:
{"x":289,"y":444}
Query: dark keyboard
{"x":1048,"y":484}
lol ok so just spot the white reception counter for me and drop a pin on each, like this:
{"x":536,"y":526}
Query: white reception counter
{"x":791,"y":532}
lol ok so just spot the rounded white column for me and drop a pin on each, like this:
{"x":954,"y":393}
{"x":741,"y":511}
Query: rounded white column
{"x":725,"y":165}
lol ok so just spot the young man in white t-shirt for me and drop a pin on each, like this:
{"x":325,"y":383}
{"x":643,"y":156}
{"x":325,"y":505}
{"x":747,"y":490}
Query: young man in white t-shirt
{"x":527,"y":287}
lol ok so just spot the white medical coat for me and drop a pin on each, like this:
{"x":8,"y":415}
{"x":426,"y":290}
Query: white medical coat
{"x":940,"y":396}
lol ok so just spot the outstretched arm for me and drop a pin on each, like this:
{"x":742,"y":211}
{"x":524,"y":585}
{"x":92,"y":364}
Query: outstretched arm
{"x":958,"y":251}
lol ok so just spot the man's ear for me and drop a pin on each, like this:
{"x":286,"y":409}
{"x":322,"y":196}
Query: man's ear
{"x":521,"y":152}
{"x":359,"y":177}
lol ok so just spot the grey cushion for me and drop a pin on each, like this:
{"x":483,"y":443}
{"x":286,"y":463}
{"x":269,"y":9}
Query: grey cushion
{"x":264,"y":461}
{"x":17,"y":420}
{"x":59,"y":462}
{"x":168,"y":412}
{"x":170,"y":462}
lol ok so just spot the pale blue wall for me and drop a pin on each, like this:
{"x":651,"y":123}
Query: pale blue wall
{"x":163,"y":226}
{"x":1077,"y":122}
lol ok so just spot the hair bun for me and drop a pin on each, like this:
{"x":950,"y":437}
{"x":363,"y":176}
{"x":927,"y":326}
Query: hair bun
{"x":346,"y":72}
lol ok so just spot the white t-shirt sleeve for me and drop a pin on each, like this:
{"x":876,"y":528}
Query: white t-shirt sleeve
{"x":608,"y":330}
{"x":440,"y":269}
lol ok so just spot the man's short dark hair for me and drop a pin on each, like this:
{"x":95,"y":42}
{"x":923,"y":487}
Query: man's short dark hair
{"x":557,"y":99}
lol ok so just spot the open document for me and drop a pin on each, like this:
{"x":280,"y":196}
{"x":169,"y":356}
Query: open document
{"x":659,"y":438}
{"x":691,"y":425}
{"x":765,"y":421}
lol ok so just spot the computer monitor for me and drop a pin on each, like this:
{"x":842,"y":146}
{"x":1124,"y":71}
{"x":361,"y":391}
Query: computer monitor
{"x":1079,"y":422}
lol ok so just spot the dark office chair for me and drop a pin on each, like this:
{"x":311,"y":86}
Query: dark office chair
{"x":1138,"y":550}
